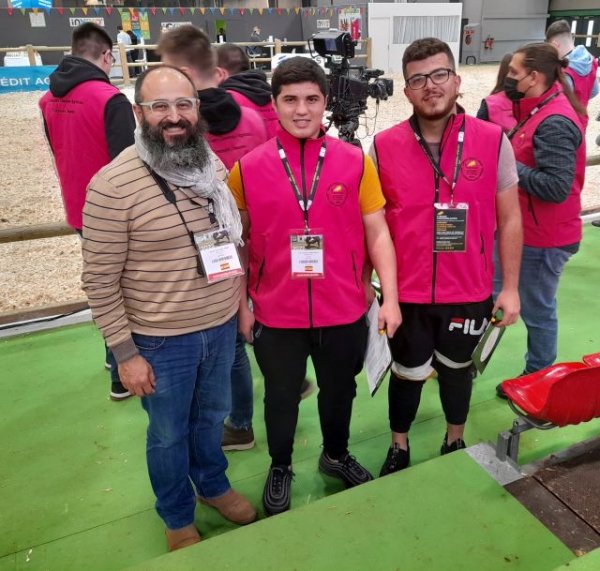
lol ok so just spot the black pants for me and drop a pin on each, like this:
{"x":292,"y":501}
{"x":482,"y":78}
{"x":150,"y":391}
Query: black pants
{"x":337,"y":354}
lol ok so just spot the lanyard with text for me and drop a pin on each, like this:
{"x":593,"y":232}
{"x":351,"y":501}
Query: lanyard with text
{"x":522,"y":122}
{"x":435,"y":164}
{"x":304,"y":202}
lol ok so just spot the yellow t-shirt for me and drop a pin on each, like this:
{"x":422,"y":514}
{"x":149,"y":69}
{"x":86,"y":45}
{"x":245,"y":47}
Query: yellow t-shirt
{"x":370,"y":195}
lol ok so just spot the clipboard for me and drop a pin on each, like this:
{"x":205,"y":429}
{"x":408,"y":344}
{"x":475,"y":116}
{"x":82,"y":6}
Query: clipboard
{"x":488,"y":343}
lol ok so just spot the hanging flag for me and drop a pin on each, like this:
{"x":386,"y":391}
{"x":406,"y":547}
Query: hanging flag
{"x":182,"y":11}
{"x":222,"y":10}
{"x":164,"y":10}
{"x":61,"y":11}
{"x":72,"y":10}
{"x":297,"y":10}
{"x":171,"y":11}
{"x":202,"y":10}
{"x":23,"y":11}
{"x":279,"y":11}
{"x":153,"y":11}
{"x":85,"y":11}
{"x":109,"y":10}
{"x":242,"y":10}
{"x":10,"y":11}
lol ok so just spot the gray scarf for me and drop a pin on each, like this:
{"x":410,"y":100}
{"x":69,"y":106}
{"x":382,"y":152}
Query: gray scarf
{"x":204,"y":183}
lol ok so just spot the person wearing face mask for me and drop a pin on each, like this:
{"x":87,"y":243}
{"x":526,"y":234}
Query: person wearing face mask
{"x":497,"y":107}
{"x":549,"y":146}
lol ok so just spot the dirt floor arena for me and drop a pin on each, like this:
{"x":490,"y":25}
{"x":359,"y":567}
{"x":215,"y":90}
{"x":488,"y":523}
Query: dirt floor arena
{"x":42,"y":272}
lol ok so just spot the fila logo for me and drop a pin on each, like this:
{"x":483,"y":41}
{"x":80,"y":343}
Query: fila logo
{"x":467,"y":325}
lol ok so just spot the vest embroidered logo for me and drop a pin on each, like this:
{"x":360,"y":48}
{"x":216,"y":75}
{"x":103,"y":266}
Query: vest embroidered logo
{"x":467,"y":326}
{"x":472,"y":169}
{"x":337,"y":194}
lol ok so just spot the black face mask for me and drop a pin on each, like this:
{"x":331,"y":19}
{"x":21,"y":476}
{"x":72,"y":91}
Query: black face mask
{"x":510,"y":88}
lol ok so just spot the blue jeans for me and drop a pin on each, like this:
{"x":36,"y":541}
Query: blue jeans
{"x":186,"y":413}
{"x":242,"y":395}
{"x":541,"y":269}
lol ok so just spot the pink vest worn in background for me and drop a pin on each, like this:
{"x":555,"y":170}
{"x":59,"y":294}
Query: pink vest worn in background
{"x":408,"y":182}
{"x":582,"y":87}
{"x":267,"y":112}
{"x":249,"y":134}
{"x":279,"y":300}
{"x":500,"y":111}
{"x":548,"y":224}
{"x":76,"y":129}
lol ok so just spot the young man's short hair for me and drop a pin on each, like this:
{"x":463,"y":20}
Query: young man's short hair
{"x":89,"y":41}
{"x":188,"y":46}
{"x":558,"y":28}
{"x":298,"y":70}
{"x":232,"y":58}
{"x":425,"y":48}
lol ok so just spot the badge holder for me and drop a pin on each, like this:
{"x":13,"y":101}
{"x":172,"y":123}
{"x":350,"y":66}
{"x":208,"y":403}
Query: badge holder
{"x":307,"y":254}
{"x":450,"y":227}
{"x":218,"y":255}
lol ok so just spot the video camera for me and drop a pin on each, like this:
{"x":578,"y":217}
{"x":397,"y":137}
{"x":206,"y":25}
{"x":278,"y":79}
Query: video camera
{"x":349,"y":85}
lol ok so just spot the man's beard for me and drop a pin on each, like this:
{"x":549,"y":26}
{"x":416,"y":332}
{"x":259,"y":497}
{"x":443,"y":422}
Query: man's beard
{"x":189,"y":150}
{"x":423,"y":110}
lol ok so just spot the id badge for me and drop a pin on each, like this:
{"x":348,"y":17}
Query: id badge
{"x":307,"y":255}
{"x":218,"y":255}
{"x":450,"y":227}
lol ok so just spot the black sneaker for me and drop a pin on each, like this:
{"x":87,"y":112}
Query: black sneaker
{"x":346,"y":469}
{"x":458,"y":444}
{"x":276,"y":495}
{"x":397,"y":459}
{"x":118,"y":392}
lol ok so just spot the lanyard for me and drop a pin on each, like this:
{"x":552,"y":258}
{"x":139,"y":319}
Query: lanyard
{"x":304,"y":202}
{"x":435,"y":164}
{"x":522,"y":122}
{"x":170,"y":196}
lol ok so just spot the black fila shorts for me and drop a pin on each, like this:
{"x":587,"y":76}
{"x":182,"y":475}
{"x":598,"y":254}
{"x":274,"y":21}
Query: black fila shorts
{"x":437,"y":333}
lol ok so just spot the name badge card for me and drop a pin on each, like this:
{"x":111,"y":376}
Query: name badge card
{"x":307,"y":255}
{"x":450,"y":227}
{"x":218,"y":255}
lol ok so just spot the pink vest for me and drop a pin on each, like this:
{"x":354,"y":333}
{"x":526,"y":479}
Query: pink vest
{"x":582,"y":87}
{"x":267,"y":112}
{"x":547,"y":224}
{"x":279,"y":300}
{"x":77,"y":135}
{"x":249,"y":134}
{"x":500,"y":111}
{"x":408,"y":182}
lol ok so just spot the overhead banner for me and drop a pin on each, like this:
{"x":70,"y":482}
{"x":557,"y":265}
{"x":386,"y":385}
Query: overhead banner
{"x":25,"y":78}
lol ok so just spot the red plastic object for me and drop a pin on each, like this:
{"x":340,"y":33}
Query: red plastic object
{"x":592,"y":360}
{"x":563,"y":394}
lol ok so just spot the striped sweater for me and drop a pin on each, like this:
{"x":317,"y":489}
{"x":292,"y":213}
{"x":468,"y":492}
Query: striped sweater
{"x":139,"y":264}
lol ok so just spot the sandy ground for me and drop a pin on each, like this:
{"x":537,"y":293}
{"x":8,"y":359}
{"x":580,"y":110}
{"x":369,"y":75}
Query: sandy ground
{"x":48,"y":271}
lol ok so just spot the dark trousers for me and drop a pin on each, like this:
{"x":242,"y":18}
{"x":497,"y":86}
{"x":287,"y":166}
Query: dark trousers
{"x":337,"y":354}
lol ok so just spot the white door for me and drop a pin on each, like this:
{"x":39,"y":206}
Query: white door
{"x":380,"y":33}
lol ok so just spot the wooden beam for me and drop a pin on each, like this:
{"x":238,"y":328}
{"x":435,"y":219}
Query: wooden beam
{"x":19,"y":315}
{"x":36,"y":232}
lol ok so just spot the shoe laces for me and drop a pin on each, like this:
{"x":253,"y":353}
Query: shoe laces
{"x":350,"y":463}
{"x":394,"y":456}
{"x":278,"y":477}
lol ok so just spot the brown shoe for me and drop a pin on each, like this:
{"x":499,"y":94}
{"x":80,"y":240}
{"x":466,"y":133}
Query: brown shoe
{"x":183,"y":537}
{"x":232,"y":506}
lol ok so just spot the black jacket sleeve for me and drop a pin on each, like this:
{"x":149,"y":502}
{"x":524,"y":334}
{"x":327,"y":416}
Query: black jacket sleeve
{"x":483,"y":111}
{"x":555,"y":145}
{"x":119,"y":124}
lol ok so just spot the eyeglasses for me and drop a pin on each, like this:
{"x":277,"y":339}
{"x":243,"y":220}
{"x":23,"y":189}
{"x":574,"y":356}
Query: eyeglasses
{"x":162,"y":106}
{"x":437,"y":76}
{"x":112,"y":57}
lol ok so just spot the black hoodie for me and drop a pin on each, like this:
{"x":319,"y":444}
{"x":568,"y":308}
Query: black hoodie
{"x":119,"y":122}
{"x":253,"y":84}
{"x":220,"y":111}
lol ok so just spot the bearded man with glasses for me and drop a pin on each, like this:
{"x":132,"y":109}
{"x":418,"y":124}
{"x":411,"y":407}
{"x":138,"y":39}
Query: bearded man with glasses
{"x":449,"y":181}
{"x":150,"y":253}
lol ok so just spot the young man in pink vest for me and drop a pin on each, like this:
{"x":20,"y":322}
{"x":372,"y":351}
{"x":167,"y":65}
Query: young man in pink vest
{"x":449,"y":181}
{"x":549,"y":145}
{"x":581,"y":74}
{"x":232,"y":130}
{"x":312,"y":208}
{"x":88,"y":122}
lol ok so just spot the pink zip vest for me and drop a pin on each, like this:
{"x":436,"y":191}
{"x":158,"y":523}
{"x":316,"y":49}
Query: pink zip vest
{"x":408,"y":182}
{"x":77,"y":135}
{"x":249,"y":134}
{"x":582,"y":87}
{"x":279,"y":300}
{"x":500,"y":111}
{"x":267,"y":112}
{"x":547,"y":224}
